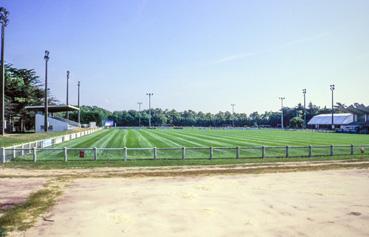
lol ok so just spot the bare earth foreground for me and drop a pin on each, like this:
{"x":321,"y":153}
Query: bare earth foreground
{"x":311,"y":203}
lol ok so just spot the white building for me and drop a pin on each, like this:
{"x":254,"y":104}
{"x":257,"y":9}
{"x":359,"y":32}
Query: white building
{"x":54,"y":123}
{"x":325,"y":120}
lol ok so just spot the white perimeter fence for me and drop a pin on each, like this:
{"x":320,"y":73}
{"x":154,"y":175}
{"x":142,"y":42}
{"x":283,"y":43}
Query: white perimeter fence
{"x":22,"y":150}
{"x":38,"y":152}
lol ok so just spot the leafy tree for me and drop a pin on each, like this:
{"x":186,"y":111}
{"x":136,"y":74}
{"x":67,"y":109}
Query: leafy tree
{"x":296,"y":122}
{"x":22,"y":88}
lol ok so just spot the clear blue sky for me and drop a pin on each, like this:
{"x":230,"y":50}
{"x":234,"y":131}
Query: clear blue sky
{"x":195,"y":54}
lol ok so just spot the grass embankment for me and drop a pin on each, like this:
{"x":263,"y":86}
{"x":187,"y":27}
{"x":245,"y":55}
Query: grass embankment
{"x":23,"y":216}
{"x":19,"y":138}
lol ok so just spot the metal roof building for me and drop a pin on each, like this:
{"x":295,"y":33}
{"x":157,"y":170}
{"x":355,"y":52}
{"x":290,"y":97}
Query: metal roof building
{"x":326,"y":119}
{"x":354,"y":120}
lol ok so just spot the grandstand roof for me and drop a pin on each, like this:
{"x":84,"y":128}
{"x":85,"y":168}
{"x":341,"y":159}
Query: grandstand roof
{"x":326,"y":119}
{"x":52,"y":108}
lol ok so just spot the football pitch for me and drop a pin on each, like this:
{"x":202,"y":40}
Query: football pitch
{"x":203,"y":143}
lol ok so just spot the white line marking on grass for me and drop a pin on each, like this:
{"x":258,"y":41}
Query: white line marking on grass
{"x":195,"y":137}
{"x":162,"y":139}
{"x":142,"y":139}
{"x":186,"y":140}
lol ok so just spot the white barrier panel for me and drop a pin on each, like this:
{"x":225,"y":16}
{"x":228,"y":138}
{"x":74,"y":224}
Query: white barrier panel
{"x":26,"y":148}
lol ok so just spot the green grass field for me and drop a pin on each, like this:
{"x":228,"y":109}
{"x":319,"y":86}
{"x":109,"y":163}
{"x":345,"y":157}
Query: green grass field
{"x":249,"y":142}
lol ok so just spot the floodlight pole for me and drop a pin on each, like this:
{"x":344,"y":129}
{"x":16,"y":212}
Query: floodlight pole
{"x":233,"y":105}
{"x":4,"y":22}
{"x":304,"y":92}
{"x":79,"y":111}
{"x":67,"y":101}
{"x":46,"y":57}
{"x":332,"y":87}
{"x":139,"y":113}
{"x":282,"y":98}
{"x":150,"y":94}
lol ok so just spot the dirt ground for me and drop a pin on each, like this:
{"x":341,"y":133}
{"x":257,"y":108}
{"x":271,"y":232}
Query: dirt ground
{"x":310,"y":203}
{"x":15,"y":191}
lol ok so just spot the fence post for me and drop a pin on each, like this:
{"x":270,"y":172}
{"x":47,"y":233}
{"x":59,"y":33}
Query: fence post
{"x":287,"y":148}
{"x":65,"y":154}
{"x":22,"y":151}
{"x":238,"y":152}
{"x":310,"y":151}
{"x":14,"y":152}
{"x":3,"y":155}
{"x":331,"y":150}
{"x":262,"y":151}
{"x":125,"y":154}
{"x":352,"y":149}
{"x":95,"y":153}
{"x":155,"y":152}
{"x":183,"y":153}
{"x":34,"y":154}
{"x":211,"y":152}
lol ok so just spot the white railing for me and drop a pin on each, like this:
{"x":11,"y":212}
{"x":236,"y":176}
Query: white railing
{"x":72,"y":153}
{"x":11,"y":152}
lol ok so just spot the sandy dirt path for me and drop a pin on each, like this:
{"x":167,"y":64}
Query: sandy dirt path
{"x":171,"y":171}
{"x":15,"y":191}
{"x":314,"y":203}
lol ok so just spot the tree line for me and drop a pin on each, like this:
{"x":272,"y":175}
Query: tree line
{"x":23,"y":88}
{"x":293,"y":117}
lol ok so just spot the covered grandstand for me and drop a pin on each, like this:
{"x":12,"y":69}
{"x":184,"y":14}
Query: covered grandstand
{"x":55,"y":123}
{"x":355,"y":119}
{"x":324,"y":121}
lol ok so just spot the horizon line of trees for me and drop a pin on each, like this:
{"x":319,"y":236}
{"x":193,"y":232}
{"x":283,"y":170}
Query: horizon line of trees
{"x":293,"y":117}
{"x":23,"y":87}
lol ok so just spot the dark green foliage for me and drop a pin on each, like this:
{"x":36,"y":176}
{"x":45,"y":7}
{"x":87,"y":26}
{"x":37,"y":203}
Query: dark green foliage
{"x":92,"y":114}
{"x":296,"y":122}
{"x":22,"y":88}
{"x":191,"y":118}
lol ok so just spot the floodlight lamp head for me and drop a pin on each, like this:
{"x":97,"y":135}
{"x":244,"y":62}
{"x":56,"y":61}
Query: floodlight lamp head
{"x":46,"y":57}
{"x":4,"y":16}
{"x":304,"y":91}
{"x":333,"y":87}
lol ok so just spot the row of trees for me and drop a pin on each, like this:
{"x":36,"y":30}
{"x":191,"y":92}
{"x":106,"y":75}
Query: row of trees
{"x":293,"y":117}
{"x":23,"y":87}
